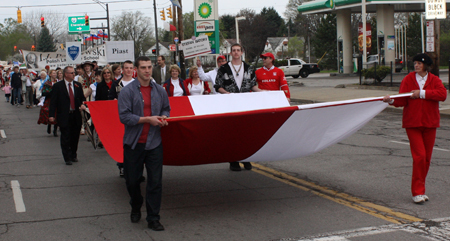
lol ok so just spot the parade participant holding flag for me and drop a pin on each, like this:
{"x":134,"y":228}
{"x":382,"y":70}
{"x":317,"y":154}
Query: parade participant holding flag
{"x":235,"y":77}
{"x":270,"y":77}
{"x":420,"y":119}
{"x":143,"y":109}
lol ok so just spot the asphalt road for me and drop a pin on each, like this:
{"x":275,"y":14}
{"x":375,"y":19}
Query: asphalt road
{"x":358,"y":189}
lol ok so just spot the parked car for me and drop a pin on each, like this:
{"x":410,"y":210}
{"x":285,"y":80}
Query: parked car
{"x":298,"y":67}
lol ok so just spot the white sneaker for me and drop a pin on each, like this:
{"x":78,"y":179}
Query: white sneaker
{"x":425,"y":197}
{"x":82,"y":131}
{"x":419,"y":199}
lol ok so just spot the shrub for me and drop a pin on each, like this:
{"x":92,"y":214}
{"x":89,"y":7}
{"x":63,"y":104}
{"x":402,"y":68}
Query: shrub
{"x":381,"y":73}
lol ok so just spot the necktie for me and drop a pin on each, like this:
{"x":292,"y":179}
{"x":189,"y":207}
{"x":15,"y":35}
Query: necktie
{"x":72,"y":100}
{"x":163,"y":75}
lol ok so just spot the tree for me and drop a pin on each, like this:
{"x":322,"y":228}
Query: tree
{"x":251,"y":33}
{"x":56,"y":23}
{"x":275,"y":26}
{"x":133,"y":26}
{"x":45,"y":42}
{"x":413,"y":33}
{"x":13,"y":34}
{"x":188,"y":24}
{"x":227,"y":27}
{"x":295,"y":47}
{"x":325,"y":40}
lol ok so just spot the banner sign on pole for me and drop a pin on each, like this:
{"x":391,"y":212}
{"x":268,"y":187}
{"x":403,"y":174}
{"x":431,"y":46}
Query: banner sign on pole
{"x":73,"y":52}
{"x":193,"y":48}
{"x":119,"y":51}
{"x":38,"y":60}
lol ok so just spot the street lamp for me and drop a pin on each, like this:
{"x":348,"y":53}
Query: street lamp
{"x":237,"y":27}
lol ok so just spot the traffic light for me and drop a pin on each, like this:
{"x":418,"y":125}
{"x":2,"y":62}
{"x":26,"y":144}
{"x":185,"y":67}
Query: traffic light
{"x":33,"y":48}
{"x":153,"y":51}
{"x":163,"y":15}
{"x":19,"y":16}
{"x":86,"y":20}
{"x":169,"y":12}
{"x":15,"y":48}
{"x":42,"y":22}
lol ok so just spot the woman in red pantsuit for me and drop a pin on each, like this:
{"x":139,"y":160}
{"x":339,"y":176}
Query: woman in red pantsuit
{"x":420,"y":119}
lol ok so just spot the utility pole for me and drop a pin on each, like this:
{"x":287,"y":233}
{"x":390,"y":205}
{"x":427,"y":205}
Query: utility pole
{"x":181,"y":38}
{"x":156,"y":28}
{"x":174,"y":33}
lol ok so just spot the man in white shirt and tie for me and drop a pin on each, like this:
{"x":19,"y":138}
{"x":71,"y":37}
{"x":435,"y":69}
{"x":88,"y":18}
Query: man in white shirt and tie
{"x":161,"y":72}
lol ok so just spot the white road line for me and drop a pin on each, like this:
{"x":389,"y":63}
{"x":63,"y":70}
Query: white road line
{"x":2,"y":133}
{"x":406,"y":143}
{"x":18,"y":200}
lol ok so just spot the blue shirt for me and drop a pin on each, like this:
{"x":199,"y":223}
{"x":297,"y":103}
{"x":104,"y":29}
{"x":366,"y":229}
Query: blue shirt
{"x":131,"y":109}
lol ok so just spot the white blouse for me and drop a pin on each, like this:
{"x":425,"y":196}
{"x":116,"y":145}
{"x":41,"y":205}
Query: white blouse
{"x":177,"y":90}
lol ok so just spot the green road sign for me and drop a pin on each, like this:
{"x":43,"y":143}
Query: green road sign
{"x":77,"y":25}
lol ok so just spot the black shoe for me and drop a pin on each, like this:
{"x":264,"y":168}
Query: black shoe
{"x":135,"y":216}
{"x":142,"y":179}
{"x":75,"y":159}
{"x":155,"y":225}
{"x":100,"y":145}
{"x":49,"y":129}
{"x":55,"y":132}
{"x":234,"y":166}
{"x":121,"y":172}
{"x":68,"y":163}
{"x":247,"y":165}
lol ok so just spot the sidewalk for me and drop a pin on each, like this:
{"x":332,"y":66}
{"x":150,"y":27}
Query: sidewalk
{"x":317,"y":95}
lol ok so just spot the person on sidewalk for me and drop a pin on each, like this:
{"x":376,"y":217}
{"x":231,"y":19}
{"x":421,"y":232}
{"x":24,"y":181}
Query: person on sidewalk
{"x":66,"y":102}
{"x":143,"y":109}
{"x":420,"y":119}
{"x":270,"y":77}
{"x":236,"y":77}
{"x":211,"y":75}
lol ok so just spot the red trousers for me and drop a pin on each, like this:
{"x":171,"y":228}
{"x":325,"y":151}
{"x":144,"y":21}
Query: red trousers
{"x":421,"y":141}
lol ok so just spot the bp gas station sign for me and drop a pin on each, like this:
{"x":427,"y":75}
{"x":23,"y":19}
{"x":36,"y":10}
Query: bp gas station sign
{"x":206,"y":17}
{"x":77,"y":25}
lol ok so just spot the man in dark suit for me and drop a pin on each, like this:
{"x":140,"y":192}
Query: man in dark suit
{"x":67,"y":101}
{"x":161,"y":72}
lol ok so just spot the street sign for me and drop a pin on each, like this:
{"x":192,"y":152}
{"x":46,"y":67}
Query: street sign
{"x":430,"y":36}
{"x":435,"y":9}
{"x":430,"y":28}
{"x":77,"y":25}
{"x":172,"y":47}
{"x":175,"y":39}
{"x":199,"y":46}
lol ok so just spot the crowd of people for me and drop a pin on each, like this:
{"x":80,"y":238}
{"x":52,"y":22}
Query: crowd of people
{"x":143,"y":108}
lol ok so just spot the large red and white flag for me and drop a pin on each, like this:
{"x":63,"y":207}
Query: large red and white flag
{"x":243,"y":127}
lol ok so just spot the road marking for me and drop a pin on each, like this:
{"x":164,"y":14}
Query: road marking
{"x":18,"y":200}
{"x":338,"y":197}
{"x":407,"y":143}
{"x":435,"y":229}
{"x":2,"y":133}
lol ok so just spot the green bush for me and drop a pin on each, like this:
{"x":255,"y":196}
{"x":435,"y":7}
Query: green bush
{"x":381,"y":73}
{"x":283,"y":62}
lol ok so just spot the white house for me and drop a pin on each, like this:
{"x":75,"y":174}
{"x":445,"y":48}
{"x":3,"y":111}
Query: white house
{"x":163,"y":50}
{"x":278,"y":46}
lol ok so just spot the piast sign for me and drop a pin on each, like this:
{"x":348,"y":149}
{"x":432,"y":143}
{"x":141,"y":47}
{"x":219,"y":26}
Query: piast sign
{"x":119,"y":51}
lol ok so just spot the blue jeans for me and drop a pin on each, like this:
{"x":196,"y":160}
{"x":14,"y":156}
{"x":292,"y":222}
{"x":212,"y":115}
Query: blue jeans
{"x":16,"y":93}
{"x":133,"y":167}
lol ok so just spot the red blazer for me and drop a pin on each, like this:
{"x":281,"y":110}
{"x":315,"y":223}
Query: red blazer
{"x":169,"y":87}
{"x":188,"y":85}
{"x":421,"y":112}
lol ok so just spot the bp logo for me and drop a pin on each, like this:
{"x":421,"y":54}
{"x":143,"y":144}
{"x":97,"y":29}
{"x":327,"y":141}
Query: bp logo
{"x":204,"y":10}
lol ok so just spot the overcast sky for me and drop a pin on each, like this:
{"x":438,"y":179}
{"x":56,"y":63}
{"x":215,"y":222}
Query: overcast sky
{"x":95,"y":10}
